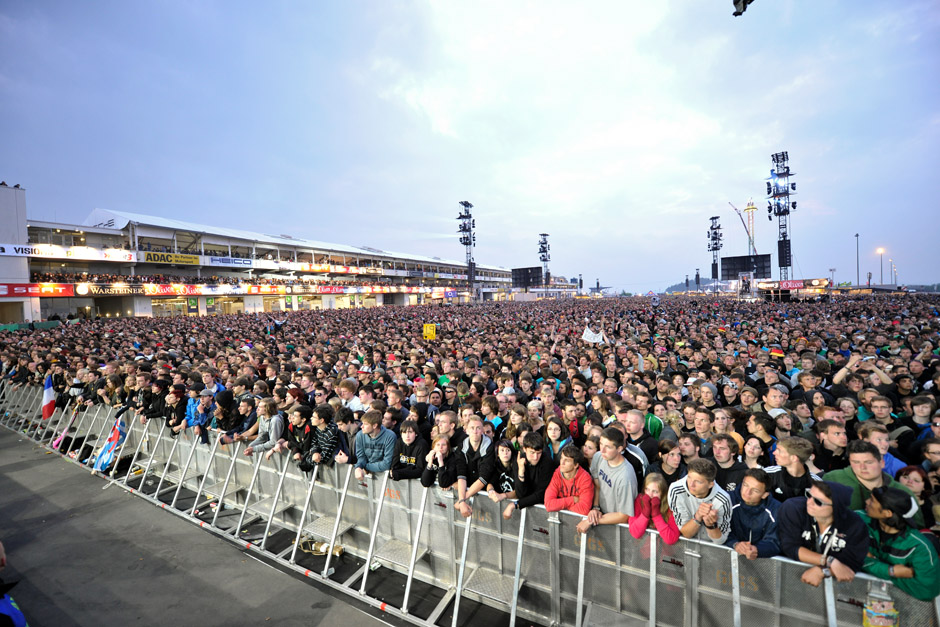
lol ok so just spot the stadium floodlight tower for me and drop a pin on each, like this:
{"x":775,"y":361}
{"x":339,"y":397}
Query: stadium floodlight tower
{"x":714,"y":245}
{"x":545,"y":257}
{"x":779,"y":190}
{"x":468,"y":239}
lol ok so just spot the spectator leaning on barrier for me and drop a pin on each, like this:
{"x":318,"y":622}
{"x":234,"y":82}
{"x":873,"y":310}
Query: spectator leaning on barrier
{"x":299,"y":432}
{"x":615,"y":485}
{"x":754,"y":517}
{"x":821,"y":530}
{"x":479,"y":457}
{"x":270,"y":429}
{"x":898,"y":551}
{"x":702,"y":509}
{"x":440,"y":464}
{"x":651,"y":509}
{"x":410,"y":452}
{"x":375,"y":445}
{"x":571,"y":487}
{"x":533,"y":475}
{"x":324,"y":441}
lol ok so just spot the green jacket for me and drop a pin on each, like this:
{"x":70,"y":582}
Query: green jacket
{"x":907,"y":548}
{"x":860,"y":493}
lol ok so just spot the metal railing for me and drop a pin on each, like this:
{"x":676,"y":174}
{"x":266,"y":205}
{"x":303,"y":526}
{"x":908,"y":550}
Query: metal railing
{"x":535,"y":565}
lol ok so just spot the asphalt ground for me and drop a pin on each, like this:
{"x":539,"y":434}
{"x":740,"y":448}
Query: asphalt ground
{"x":84,"y":555}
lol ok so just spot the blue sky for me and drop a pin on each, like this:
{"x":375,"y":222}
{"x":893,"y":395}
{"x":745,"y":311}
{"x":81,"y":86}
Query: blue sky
{"x":618,"y":128}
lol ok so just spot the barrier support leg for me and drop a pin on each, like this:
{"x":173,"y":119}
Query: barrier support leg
{"x":228,"y":478}
{"x":205,"y":475}
{"x":339,"y":513}
{"x":153,"y":453}
{"x":143,"y":437}
{"x":303,"y":516}
{"x":166,"y":466}
{"x":462,"y":569}
{"x":736,"y":588}
{"x":414,"y":549}
{"x":654,"y":564}
{"x":189,"y":461}
{"x":831,"y":618}
{"x":277,"y":495}
{"x":518,"y":573}
{"x":78,"y":430}
{"x":251,"y":487}
{"x":579,"y":615}
{"x":375,"y":533}
{"x":104,"y":427}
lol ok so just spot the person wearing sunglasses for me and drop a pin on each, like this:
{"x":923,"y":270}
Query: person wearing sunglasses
{"x":819,"y":529}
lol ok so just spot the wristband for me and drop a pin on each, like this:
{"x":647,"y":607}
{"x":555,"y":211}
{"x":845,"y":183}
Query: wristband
{"x":891,"y":571}
{"x":715,"y":526}
{"x":597,"y":507}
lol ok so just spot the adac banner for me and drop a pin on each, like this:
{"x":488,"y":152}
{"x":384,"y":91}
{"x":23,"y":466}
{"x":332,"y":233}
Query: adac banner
{"x":172,"y":258}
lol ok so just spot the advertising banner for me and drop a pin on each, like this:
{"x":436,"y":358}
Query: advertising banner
{"x":51,"y":251}
{"x":229,"y":262}
{"x":173,"y":258}
{"x":37,"y":289}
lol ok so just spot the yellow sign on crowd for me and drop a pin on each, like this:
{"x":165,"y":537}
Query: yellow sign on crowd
{"x":430,"y":332}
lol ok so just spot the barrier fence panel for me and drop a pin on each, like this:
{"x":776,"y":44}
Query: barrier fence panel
{"x":417,"y":532}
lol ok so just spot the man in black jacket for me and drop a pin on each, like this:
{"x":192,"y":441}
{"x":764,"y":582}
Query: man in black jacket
{"x":410,"y":452}
{"x":820,"y":530}
{"x":157,"y":406}
{"x":534,"y":474}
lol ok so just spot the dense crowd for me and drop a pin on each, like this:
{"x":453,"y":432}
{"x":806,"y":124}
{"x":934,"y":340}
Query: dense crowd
{"x":808,"y":430}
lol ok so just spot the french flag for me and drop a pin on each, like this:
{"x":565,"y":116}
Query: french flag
{"x":48,"y":399}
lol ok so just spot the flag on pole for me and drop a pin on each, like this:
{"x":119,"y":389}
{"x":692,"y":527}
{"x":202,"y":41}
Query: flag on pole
{"x":115,"y":439}
{"x":48,"y":399}
{"x":58,"y":440}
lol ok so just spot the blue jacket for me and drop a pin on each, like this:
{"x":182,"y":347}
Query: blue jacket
{"x":194,"y":418}
{"x":375,"y":454}
{"x":756,"y":524}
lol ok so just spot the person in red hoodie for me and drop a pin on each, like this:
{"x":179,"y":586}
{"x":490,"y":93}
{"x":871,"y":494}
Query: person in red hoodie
{"x":652,"y":510}
{"x":571,"y":487}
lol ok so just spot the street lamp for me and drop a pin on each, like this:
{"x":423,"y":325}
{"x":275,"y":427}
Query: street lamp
{"x":881,"y":252}
{"x":857,"y":276}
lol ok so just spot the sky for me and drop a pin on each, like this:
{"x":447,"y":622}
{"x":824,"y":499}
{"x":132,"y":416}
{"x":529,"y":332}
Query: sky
{"x":618,"y":128}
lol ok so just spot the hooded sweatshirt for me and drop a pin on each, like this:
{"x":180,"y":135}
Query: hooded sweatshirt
{"x":798,"y":529}
{"x":906,"y":548}
{"x":756,"y":524}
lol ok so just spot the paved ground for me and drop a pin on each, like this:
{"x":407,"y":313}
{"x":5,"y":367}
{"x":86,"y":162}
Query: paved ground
{"x":87,"y":556}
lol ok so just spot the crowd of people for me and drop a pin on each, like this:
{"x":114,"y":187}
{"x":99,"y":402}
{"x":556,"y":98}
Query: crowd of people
{"x":808,"y":430}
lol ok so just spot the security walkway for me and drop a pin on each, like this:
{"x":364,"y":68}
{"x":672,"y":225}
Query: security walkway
{"x":91,"y":556}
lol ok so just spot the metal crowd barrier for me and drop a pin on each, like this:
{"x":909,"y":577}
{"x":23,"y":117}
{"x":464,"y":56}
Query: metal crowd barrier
{"x":534,"y":566}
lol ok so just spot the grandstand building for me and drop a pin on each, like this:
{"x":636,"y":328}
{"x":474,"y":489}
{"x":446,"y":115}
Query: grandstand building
{"x":126,"y":264}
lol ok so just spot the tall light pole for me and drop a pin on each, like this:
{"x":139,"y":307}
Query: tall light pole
{"x":858,"y":279}
{"x":832,"y":280}
{"x":881,"y":252}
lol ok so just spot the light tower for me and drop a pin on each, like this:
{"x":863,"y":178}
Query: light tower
{"x":750,"y":210}
{"x":714,"y":245}
{"x":779,"y":189}
{"x":468,"y":239}
{"x":545,"y":257}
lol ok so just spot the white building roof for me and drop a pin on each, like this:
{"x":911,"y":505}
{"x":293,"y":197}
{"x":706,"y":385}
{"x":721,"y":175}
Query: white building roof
{"x":104,"y":217}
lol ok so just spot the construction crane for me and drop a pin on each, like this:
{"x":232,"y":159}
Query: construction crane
{"x":748,"y":225}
